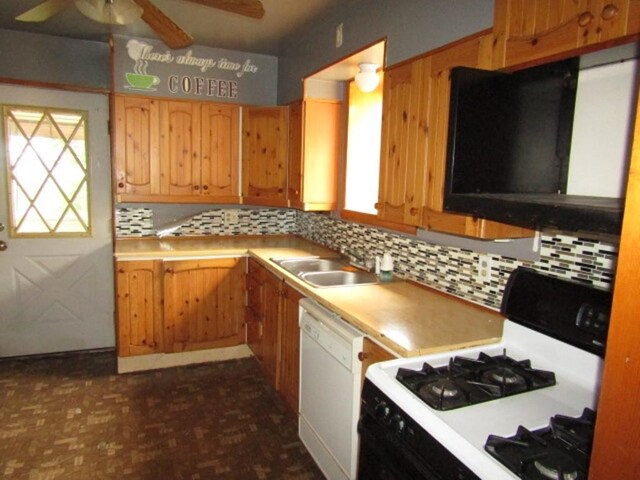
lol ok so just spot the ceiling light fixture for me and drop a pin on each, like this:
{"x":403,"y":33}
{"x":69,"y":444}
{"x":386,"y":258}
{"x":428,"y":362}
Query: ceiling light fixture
{"x":111,"y":12}
{"x":367,"y":78}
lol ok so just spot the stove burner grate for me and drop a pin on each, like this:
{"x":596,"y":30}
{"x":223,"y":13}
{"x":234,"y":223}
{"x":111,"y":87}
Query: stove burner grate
{"x":557,"y":452}
{"x":466,"y":381}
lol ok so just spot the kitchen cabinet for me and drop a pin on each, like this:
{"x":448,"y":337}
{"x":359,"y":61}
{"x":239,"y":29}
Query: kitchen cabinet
{"x":272,"y":306}
{"x":405,"y":136}
{"x":314,"y":150}
{"x":204,"y":303}
{"x":471,"y":52}
{"x":175,"y":151}
{"x":255,"y":307}
{"x":289,"y":381}
{"x":530,"y":30}
{"x":139,"y":307}
{"x":372,"y":353}
{"x":265,"y":155}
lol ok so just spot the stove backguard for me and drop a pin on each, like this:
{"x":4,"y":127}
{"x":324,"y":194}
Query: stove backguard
{"x":572,"y":312}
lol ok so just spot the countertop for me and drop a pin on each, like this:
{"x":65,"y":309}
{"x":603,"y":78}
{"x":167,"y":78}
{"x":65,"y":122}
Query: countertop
{"x":403,"y":317}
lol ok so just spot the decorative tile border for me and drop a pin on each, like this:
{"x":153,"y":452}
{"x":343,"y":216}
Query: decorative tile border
{"x":449,"y":269}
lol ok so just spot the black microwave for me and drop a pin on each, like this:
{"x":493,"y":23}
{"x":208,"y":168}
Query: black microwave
{"x":508,"y":150}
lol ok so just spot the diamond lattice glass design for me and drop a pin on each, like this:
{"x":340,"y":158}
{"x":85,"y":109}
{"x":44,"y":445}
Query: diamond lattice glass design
{"x":47,"y":171}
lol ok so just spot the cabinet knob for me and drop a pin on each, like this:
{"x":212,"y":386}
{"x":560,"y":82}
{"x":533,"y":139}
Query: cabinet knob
{"x":609,"y":11}
{"x":3,"y":245}
{"x":414,"y":211}
{"x":169,"y":270}
{"x":377,"y":205}
{"x":585,"y":19}
{"x":120,"y":185}
{"x":205,"y":187}
{"x":196,"y":187}
{"x":362,"y":356}
{"x":121,"y":270}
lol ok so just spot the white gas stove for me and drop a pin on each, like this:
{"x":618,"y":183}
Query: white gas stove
{"x":461,"y":398}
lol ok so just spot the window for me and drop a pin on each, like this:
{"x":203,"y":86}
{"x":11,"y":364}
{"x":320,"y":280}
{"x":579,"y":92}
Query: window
{"x":48,"y":172}
{"x":363,"y":150}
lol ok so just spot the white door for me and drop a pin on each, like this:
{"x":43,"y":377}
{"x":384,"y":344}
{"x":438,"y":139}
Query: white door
{"x":56,"y":294}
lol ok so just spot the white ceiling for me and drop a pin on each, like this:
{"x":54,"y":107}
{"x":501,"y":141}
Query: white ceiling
{"x":208,"y":26}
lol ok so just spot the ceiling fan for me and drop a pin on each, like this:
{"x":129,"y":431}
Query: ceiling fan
{"x":121,"y":12}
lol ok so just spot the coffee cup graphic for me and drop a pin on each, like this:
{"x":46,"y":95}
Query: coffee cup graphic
{"x":142,"y":82}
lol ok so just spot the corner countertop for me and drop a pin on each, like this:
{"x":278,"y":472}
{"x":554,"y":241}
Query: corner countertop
{"x":407,"y":319}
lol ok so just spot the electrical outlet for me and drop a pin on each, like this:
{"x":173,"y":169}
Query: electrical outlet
{"x":339,"y":35}
{"x":231,"y":216}
{"x":483,"y":268}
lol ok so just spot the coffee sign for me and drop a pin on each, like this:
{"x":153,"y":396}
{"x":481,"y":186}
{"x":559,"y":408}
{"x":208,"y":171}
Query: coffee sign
{"x":148,"y":67}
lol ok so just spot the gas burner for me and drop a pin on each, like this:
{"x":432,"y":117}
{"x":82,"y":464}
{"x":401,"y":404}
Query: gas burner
{"x":465,"y":381}
{"x":558,"y":452}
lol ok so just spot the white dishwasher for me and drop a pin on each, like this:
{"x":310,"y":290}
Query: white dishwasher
{"x":330,"y":375}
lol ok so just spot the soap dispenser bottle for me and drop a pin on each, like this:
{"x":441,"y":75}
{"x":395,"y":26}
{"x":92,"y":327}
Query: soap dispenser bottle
{"x":386,"y":268}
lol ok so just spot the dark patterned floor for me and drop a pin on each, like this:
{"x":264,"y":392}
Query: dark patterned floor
{"x":73,"y":417}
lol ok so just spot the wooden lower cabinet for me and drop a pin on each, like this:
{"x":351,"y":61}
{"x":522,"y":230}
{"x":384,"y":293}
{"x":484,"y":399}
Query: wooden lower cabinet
{"x":272,"y":330}
{"x":204,"y":304}
{"x":139,"y":307}
{"x":372,"y":353}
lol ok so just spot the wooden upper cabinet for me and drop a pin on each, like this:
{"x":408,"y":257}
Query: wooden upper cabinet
{"x":529,"y":30}
{"x":314,"y":150}
{"x":219,"y":161}
{"x":405,"y":136}
{"x":139,"y":307}
{"x":136,"y":146}
{"x":204,"y":303}
{"x":265,"y":155}
{"x":175,"y":151}
{"x":474,"y":52}
{"x":180,"y":148}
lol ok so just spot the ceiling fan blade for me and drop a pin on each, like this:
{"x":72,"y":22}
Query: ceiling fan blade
{"x":44,"y":11}
{"x":170,"y":33}
{"x":114,"y":12}
{"x":248,"y":8}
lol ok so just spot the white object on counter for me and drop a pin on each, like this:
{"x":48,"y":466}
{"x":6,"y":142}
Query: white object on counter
{"x":386,"y":268}
{"x":330,"y":378}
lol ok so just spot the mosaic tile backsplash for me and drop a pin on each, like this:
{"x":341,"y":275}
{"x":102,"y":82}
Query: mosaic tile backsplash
{"x":449,"y":269}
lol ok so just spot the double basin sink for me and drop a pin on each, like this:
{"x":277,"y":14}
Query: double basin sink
{"x":326,"y":272}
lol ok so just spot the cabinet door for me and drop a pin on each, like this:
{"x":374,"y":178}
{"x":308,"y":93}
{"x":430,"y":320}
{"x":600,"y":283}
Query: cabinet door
{"x":528,"y":30}
{"x":180,"y":140}
{"x":139,"y":307}
{"x":136,"y":145}
{"x":271,"y":330}
{"x":405,"y":136}
{"x":255,"y":307}
{"x":265,"y":155}
{"x":204,"y":303}
{"x":295,"y":171}
{"x":220,"y":149}
{"x":475,"y":52}
{"x":372,"y":353}
{"x":290,"y":347}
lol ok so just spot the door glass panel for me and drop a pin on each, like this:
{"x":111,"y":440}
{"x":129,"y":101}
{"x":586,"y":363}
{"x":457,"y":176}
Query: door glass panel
{"x":48,"y":171}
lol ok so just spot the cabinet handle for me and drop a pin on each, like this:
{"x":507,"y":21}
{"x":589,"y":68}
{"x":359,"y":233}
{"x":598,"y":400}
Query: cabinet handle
{"x":585,"y":19}
{"x":377,"y":205}
{"x":121,"y":270}
{"x":120,"y":185}
{"x":362,"y":356}
{"x":609,"y":11}
{"x":205,"y":187}
{"x":196,"y":187}
{"x":414,"y":211}
{"x":169,"y":270}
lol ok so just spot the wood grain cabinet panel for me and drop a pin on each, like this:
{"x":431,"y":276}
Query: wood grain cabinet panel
{"x":530,"y":30}
{"x":290,"y":347}
{"x":314,"y":150}
{"x":175,"y":151}
{"x":474,"y":52}
{"x":271,"y":329}
{"x":255,"y":307}
{"x":139,"y":307}
{"x":405,"y":136}
{"x":136,"y":144}
{"x":204,"y":304}
{"x":265,"y":155}
{"x":372,"y":353}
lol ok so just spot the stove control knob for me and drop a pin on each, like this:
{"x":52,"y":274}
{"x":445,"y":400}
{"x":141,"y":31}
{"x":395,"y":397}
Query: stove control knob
{"x":397,"y":423}
{"x":382,"y":410}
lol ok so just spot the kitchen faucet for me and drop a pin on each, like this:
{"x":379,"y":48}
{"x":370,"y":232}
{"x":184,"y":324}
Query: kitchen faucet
{"x":357,"y":258}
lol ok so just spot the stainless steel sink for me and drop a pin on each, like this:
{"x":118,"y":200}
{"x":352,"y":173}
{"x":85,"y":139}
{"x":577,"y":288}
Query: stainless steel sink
{"x":310,"y":264}
{"x":339,"y":278}
{"x":326,"y":272}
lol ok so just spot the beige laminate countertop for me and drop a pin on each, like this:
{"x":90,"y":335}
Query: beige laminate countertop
{"x":408,"y":319}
